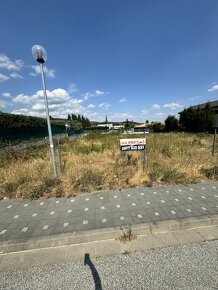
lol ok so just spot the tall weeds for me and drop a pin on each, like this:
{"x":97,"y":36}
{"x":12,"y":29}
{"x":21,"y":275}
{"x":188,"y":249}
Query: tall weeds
{"x":94,"y":162}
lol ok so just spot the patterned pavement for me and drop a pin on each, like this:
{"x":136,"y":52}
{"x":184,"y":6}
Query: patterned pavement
{"x":24,"y":219}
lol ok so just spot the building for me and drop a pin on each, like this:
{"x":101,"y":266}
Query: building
{"x":141,"y":128}
{"x":214,"y":107}
{"x":118,"y":127}
{"x":109,"y":126}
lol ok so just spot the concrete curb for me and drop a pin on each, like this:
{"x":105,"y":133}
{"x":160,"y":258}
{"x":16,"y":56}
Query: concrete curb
{"x":102,"y":242}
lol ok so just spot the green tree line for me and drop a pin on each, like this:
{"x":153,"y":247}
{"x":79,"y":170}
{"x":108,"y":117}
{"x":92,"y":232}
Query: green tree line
{"x":16,"y":121}
{"x":85,"y":122}
{"x":192,"y":120}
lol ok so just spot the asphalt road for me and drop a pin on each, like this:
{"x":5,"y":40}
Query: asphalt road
{"x":188,"y":267}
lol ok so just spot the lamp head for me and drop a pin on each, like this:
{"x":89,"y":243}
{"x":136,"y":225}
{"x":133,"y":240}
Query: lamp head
{"x":39,"y":53}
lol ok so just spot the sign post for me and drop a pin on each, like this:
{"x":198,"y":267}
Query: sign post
{"x":134,"y":144}
{"x":214,"y":143}
{"x":145,"y":160}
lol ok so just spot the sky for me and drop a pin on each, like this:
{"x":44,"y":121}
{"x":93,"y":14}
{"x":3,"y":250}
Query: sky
{"x":138,"y":60}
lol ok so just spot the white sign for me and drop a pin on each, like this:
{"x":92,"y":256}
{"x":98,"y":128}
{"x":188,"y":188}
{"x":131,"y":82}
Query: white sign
{"x":132,"y":144}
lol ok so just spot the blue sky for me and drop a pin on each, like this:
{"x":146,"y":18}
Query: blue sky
{"x":142,"y":59}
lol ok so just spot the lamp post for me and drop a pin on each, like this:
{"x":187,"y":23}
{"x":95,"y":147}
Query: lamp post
{"x":40,"y":55}
{"x":67,"y":126}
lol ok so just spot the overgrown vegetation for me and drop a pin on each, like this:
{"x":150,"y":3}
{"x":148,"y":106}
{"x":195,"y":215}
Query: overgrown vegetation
{"x":85,"y":122}
{"x":17,"y":121}
{"x":171,"y":124}
{"x":197,"y":120}
{"x":94,"y":162}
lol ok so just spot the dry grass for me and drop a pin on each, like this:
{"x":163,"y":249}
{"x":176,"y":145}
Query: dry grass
{"x":95,"y":162}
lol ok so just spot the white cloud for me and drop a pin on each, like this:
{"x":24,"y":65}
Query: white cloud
{"x":104,"y":106}
{"x":123,"y":100}
{"x":144,"y":112}
{"x":87,"y":95}
{"x":16,"y":76}
{"x":72,"y":88}
{"x":39,"y":107}
{"x":20,"y":112}
{"x":155,"y":107}
{"x":213,"y":88}
{"x":6,"y":94}
{"x":159,"y":114}
{"x":3,"y":78}
{"x":50,"y":73}
{"x":56,"y":96}
{"x":120,"y":116}
{"x":97,"y":93}
{"x":195,"y":98}
{"x":2,"y":104}
{"x":8,"y":64}
{"x":91,"y":106}
{"x":173,"y":106}
{"x":60,"y":104}
{"x":21,"y":98}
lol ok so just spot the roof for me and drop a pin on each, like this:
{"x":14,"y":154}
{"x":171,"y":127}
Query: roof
{"x":213,"y":104}
{"x":141,"y":125}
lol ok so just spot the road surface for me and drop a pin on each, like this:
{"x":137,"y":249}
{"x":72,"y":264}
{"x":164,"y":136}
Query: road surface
{"x":189,"y":267}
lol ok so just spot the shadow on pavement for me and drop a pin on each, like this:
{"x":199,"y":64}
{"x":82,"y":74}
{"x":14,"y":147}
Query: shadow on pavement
{"x":95,"y":275}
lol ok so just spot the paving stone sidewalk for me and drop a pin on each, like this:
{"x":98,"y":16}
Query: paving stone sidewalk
{"x":24,"y":219}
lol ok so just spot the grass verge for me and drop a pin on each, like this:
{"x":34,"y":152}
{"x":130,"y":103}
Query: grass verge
{"x":94,"y":162}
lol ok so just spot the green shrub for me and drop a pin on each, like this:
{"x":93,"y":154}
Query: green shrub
{"x":211,"y":172}
{"x":47,"y":185}
{"x":90,"y":178}
{"x":10,"y":187}
{"x":153,"y":176}
{"x":171,"y":176}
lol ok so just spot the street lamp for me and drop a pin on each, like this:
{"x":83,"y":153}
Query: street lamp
{"x":40,"y":55}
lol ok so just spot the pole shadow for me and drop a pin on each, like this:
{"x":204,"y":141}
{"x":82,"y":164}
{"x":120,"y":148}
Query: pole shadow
{"x":95,"y":275}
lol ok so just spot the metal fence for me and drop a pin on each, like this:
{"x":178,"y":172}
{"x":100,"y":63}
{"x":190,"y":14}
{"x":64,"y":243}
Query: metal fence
{"x":26,"y":133}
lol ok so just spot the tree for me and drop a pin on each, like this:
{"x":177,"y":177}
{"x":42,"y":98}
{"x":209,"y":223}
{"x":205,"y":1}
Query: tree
{"x":158,"y":127}
{"x":88,"y":124}
{"x":73,"y":117}
{"x":74,"y":124}
{"x":147,"y":122}
{"x":79,"y":118}
{"x":127,"y":124}
{"x":106,"y":121}
{"x":68,"y":117}
{"x":171,"y":123}
{"x":197,"y":120}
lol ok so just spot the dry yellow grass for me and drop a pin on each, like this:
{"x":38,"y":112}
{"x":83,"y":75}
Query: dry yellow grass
{"x":95,"y":162}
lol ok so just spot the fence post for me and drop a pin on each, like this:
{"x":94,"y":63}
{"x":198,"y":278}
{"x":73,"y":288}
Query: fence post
{"x":214,"y":143}
{"x":60,"y":158}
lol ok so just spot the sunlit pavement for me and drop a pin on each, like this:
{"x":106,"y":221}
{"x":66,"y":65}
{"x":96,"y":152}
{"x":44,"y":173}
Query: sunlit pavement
{"x":24,"y":219}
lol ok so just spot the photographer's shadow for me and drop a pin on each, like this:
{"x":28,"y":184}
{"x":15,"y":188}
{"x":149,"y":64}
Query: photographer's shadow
{"x":95,"y":275}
